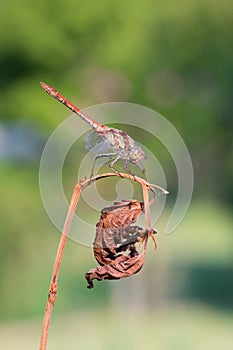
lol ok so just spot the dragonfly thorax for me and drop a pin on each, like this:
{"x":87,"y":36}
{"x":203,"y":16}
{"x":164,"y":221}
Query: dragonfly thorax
{"x":124,"y":145}
{"x":136,"y":154}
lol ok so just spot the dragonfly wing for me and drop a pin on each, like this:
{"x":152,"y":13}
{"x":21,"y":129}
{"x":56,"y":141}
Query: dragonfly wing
{"x":96,"y":143}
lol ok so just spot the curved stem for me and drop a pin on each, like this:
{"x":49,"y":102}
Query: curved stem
{"x":57,"y":264}
{"x":81,"y":185}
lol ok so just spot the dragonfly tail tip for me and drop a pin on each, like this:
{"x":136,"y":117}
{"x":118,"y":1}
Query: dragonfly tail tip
{"x":43,"y":84}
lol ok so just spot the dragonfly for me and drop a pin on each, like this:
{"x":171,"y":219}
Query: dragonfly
{"x":119,"y":144}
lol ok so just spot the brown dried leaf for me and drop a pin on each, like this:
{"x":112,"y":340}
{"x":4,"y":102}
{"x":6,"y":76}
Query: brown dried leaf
{"x":129,"y":237}
{"x":114,"y":235}
{"x":121,"y":213}
{"x":123,"y":266}
{"x":111,"y":228}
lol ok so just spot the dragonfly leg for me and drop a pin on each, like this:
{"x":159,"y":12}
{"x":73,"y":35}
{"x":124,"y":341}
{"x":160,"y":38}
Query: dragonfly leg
{"x":127,"y":169}
{"x":142,"y":169}
{"x":112,"y":164}
{"x":126,"y":166}
{"x":100,"y":156}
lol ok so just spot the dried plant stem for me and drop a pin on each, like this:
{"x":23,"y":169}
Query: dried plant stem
{"x":146,"y":206}
{"x":83,"y":183}
{"x":60,"y":251}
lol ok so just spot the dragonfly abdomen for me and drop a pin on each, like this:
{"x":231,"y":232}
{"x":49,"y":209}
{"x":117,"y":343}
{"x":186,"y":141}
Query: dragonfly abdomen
{"x":58,"y":96}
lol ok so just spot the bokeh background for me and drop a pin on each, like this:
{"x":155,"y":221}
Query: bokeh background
{"x":174,"y":57}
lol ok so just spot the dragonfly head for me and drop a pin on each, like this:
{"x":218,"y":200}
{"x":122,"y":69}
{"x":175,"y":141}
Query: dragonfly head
{"x":137,"y":155}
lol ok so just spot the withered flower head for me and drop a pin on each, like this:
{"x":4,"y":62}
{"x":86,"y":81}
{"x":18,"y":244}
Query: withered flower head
{"x":115,"y":235}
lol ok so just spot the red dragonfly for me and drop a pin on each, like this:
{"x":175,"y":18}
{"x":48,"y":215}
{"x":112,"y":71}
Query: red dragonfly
{"x":103,"y":138}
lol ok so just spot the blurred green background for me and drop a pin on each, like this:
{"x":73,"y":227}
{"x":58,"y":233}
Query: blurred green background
{"x":174,"y":57}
